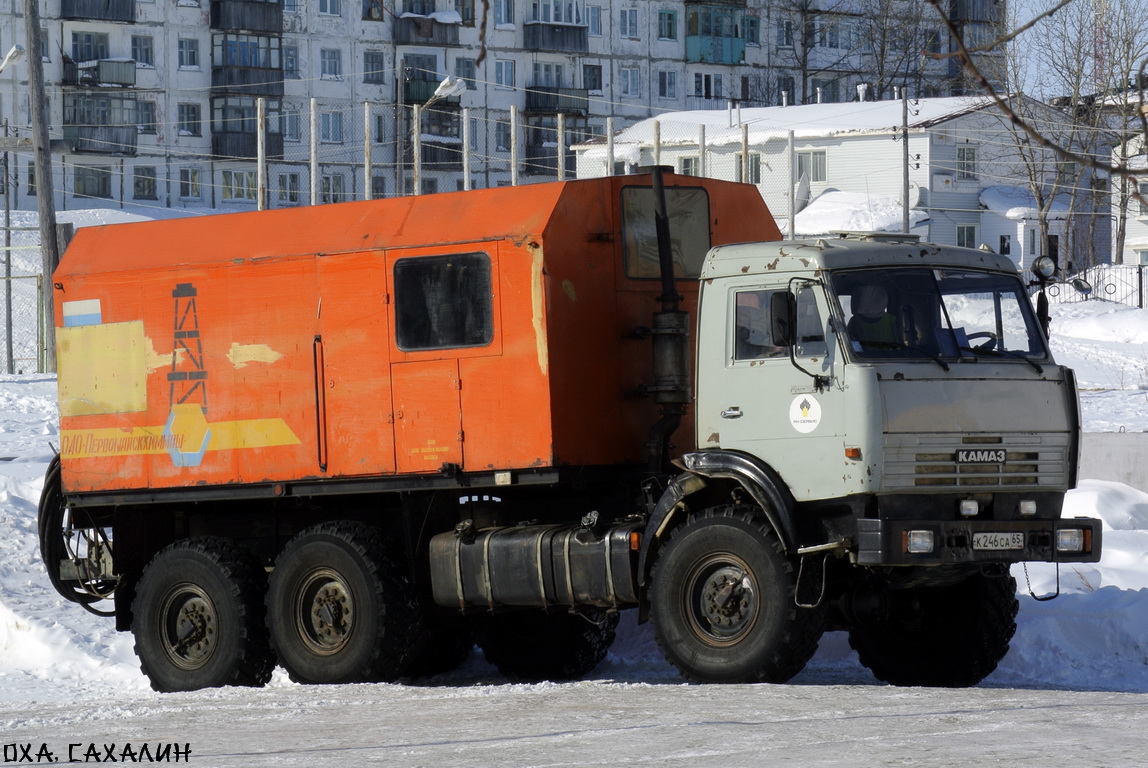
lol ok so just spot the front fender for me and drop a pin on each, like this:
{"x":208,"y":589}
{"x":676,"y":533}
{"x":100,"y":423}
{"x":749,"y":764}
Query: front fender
{"x":757,"y":479}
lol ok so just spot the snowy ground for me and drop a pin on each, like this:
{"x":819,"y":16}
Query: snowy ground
{"x":1072,"y":688}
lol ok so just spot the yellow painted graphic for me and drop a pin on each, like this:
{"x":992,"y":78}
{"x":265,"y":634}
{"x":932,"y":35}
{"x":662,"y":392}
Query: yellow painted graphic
{"x":102,"y":368}
{"x":242,"y":354}
{"x":187,"y":432}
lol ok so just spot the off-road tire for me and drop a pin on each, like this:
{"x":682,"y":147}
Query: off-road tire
{"x":722,"y":601}
{"x":532,"y":646}
{"x":198,"y":618}
{"x":339,"y":607}
{"x":952,"y":637}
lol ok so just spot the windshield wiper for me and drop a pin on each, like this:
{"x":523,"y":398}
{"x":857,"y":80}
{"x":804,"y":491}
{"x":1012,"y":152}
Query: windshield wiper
{"x":883,"y":345}
{"x":1003,"y":353}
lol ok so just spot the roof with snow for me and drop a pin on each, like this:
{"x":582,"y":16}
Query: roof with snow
{"x":1017,"y":203}
{"x":835,"y":210}
{"x":805,"y":120}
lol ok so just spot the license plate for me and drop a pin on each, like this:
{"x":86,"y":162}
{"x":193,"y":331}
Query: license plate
{"x":993,"y":540}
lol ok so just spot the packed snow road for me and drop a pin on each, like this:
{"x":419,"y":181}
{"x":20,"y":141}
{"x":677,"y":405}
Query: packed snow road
{"x":601,"y":723}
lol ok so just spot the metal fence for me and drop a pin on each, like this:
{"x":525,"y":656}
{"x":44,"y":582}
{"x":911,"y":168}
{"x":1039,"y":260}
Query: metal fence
{"x":1120,"y":283}
{"x":21,"y":312}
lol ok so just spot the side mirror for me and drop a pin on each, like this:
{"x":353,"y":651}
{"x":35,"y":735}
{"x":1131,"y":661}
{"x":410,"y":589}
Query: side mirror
{"x":1082,"y":286}
{"x":783,"y":318}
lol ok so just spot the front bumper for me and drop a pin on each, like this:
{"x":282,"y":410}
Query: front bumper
{"x":899,"y":542}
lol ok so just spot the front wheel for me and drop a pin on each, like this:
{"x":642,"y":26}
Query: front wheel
{"x":951,"y":637}
{"x":723,"y":605}
{"x":198,"y":617}
{"x":339,"y":608}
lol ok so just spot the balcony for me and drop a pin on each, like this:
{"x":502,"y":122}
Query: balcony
{"x":101,"y":139}
{"x":247,"y":81}
{"x":551,"y":100}
{"x":420,"y":92}
{"x":976,"y":10}
{"x":118,"y":72}
{"x":542,"y":160}
{"x":556,"y":38}
{"x":247,"y":15}
{"x":711,"y":49}
{"x":98,"y":10}
{"x":423,"y":30}
{"x":237,"y":145}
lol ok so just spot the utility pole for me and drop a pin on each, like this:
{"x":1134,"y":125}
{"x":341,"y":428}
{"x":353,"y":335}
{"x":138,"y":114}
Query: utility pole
{"x":905,"y":160}
{"x":45,"y":194}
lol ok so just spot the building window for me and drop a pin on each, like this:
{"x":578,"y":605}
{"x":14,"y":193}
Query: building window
{"x":785,"y":90}
{"x":378,"y":187}
{"x":689,"y":166}
{"x":966,"y":163}
{"x":502,"y":136}
{"x":331,"y":64}
{"x":292,"y":125}
{"x":89,"y":46}
{"x":291,"y":62}
{"x":331,"y":127}
{"x":594,"y":20}
{"x":380,"y":133}
{"x":465,"y":9}
{"x":504,"y":73}
{"x":967,"y":235}
{"x":93,"y":181}
{"x":933,"y":41}
{"x":239,"y":185}
{"x":827,"y":91}
{"x":628,"y":23}
{"x":592,"y":77}
{"x":1144,"y":199}
{"x":668,"y":85}
{"x":45,"y":49}
{"x":708,"y":86}
{"x":143,"y":50}
{"x":785,"y":33}
{"x":189,"y":183}
{"x":754,"y":168}
{"x":143,"y":182}
{"x":811,"y":164}
{"x":443,"y":301}
{"x":190,"y":120}
{"x":630,"y":81}
{"x":667,"y":25}
{"x":188,"y":53}
{"x":503,"y":11}
{"x":331,"y":188}
{"x":752,"y":30}
{"x":288,"y":192}
{"x":374,"y":66}
{"x":1006,"y":245}
{"x":291,"y":6}
{"x":330,"y":8}
{"x":833,"y":32}
{"x":31,"y":179}
{"x":466,"y":69}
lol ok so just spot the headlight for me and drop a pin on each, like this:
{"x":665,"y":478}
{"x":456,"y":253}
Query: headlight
{"x":1044,"y":268}
{"x":918,"y":542}
{"x":1070,"y":540}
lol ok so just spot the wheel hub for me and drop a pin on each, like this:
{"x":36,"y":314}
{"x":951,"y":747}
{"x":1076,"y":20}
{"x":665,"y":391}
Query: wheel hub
{"x":189,"y":631}
{"x":326,"y":611}
{"x":724,"y":605}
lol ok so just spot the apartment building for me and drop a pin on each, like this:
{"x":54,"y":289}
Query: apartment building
{"x":155,"y":103}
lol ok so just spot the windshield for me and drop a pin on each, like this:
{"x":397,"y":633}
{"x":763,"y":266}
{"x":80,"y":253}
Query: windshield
{"x":937,"y":313}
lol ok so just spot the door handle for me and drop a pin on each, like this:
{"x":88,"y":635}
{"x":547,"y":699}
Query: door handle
{"x":733,"y":412}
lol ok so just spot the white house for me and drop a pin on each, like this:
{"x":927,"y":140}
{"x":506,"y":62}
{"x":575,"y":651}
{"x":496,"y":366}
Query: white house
{"x":967,"y":184}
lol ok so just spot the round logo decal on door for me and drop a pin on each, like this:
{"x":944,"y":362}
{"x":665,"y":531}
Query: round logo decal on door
{"x":805,"y":413}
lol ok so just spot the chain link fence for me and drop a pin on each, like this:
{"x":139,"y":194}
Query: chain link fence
{"x":21,"y":311}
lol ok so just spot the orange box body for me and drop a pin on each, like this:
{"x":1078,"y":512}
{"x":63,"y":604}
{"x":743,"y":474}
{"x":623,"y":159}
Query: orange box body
{"x":261,"y":347}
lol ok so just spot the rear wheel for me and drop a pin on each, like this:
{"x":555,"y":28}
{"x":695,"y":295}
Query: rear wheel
{"x":339,"y":608}
{"x":198,"y":617}
{"x":722,"y":602}
{"x":535,"y":645}
{"x":950,"y":637}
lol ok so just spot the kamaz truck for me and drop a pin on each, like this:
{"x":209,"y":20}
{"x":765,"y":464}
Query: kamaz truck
{"x":355,"y":440}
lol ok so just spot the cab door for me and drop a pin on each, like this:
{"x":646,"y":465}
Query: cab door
{"x":759,"y":396}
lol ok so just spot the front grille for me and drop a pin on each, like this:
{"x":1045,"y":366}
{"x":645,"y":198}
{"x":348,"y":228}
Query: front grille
{"x":930,"y":461}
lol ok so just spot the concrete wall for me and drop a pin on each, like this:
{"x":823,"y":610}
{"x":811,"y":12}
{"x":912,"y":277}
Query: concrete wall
{"x":1117,"y":456}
